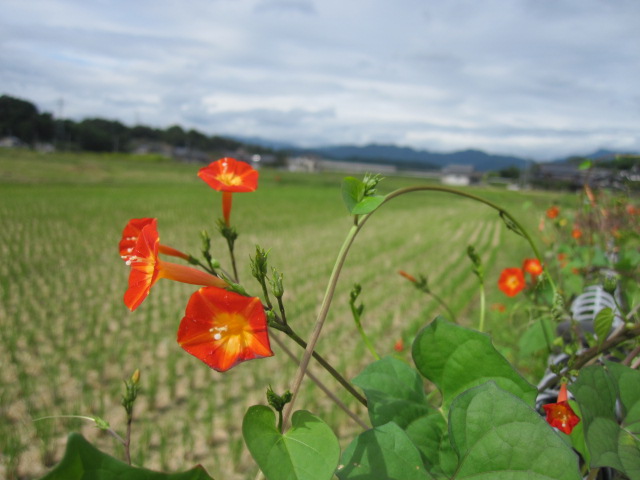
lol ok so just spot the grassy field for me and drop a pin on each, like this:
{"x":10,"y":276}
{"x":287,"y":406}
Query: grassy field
{"x":67,"y":341}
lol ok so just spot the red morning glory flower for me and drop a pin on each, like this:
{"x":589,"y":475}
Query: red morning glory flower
{"x":224,"y":328}
{"x":511,"y":281}
{"x":560,"y":414}
{"x":553,"y":212}
{"x":532,"y":266}
{"x":147,"y":269}
{"x":131,"y":233}
{"x":229,"y":175}
{"x":576,"y":233}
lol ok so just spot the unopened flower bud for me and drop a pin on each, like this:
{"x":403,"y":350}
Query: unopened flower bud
{"x":278,"y":401}
{"x":408,"y":276}
{"x":259,"y":264}
{"x":277,"y":287}
{"x":610,"y":284}
{"x":370,"y":183}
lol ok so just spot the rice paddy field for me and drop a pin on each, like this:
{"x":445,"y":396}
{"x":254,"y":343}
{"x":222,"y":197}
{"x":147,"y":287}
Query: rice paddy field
{"x":67,"y":342}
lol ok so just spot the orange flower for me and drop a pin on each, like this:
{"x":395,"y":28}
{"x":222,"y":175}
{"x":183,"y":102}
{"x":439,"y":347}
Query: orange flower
{"x":532,"y":266}
{"x":131,"y":233}
{"x":408,"y":276}
{"x":499,"y":307}
{"x":147,"y":268}
{"x":399,"y":345}
{"x":553,"y":212}
{"x":562,"y":259}
{"x":511,"y":281}
{"x":223,"y":328}
{"x":560,"y":415}
{"x":229,"y":175}
{"x":576,"y":233}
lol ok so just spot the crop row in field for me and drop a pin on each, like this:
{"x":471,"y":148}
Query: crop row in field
{"x":68,"y":341}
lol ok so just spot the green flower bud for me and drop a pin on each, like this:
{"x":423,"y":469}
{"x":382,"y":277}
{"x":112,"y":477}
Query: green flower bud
{"x":259,"y":264}
{"x":610,"y":284}
{"x":277,"y":287}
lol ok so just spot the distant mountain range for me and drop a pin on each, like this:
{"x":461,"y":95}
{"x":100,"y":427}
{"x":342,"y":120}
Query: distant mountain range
{"x":406,"y":158}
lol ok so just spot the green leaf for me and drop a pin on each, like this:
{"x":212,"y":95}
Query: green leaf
{"x":537,"y":337}
{"x":457,"y":358}
{"x":83,"y":461}
{"x":598,"y":391}
{"x":382,"y":453}
{"x":586,"y":165}
{"x":309,"y":450}
{"x":394,"y":391}
{"x":499,"y":437}
{"x":430,"y":434}
{"x":367,"y":205}
{"x":602,"y":324}
{"x":352,"y":192}
{"x":353,"y":195}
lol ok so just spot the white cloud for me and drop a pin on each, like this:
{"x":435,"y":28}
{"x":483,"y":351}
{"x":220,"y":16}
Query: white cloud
{"x":510,"y":76}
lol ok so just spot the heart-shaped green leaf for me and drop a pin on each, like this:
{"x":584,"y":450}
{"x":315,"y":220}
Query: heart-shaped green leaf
{"x":352,"y":192}
{"x":457,"y":358}
{"x":367,"y":205}
{"x":602,"y":324}
{"x":498,"y":437}
{"x":384,"y":452}
{"x":430,"y":434}
{"x":83,"y":461}
{"x":353,"y":195}
{"x":308,"y":451}
{"x":395,"y":392}
{"x":598,"y":390}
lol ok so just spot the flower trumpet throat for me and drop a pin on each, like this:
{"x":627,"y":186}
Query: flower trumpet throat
{"x":147,"y":269}
{"x":223,"y":328}
{"x":130,"y":236}
{"x":229,"y":176}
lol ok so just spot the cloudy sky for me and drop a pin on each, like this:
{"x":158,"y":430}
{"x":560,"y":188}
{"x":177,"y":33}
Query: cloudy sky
{"x":535,"y":78}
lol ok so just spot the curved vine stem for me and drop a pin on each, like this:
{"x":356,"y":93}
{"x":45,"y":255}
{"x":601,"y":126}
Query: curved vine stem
{"x":359,"y":222}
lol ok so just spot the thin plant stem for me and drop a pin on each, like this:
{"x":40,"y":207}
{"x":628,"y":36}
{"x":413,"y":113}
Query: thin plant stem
{"x":322,"y":315}
{"x":109,"y":430}
{"x":616,"y":338}
{"x":236,"y":279}
{"x":366,"y":340}
{"x":265,"y":292}
{"x":322,"y":386}
{"x":127,"y":443}
{"x":326,"y":365}
{"x":482,"y":307}
{"x":283,"y":315}
{"x":444,"y":305}
{"x":359,"y":222}
{"x":633,"y":354}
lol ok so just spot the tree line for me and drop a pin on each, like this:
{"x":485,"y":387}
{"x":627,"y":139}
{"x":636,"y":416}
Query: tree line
{"x":22,"y":120}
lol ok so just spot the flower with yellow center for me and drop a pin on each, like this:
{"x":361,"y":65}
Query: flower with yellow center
{"x":229,"y":175}
{"x":511,"y":281}
{"x":223,"y":328}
